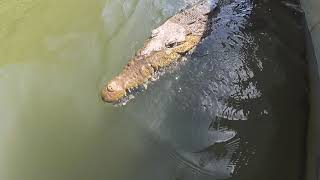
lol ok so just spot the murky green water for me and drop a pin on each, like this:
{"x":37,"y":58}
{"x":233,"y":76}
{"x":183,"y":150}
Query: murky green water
{"x":55,"y":55}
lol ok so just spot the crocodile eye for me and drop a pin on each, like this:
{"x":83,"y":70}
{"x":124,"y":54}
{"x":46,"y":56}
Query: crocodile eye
{"x":155,"y":32}
{"x":170,"y":44}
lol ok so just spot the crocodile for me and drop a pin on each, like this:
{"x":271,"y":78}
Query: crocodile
{"x":168,"y":43}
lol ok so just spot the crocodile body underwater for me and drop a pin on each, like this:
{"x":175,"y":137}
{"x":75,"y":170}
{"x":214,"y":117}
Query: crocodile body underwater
{"x":168,"y":44}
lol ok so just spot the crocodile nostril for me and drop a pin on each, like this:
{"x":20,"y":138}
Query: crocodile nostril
{"x":110,"y":88}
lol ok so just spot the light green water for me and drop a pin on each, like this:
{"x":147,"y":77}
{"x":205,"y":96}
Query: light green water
{"x":55,"y":55}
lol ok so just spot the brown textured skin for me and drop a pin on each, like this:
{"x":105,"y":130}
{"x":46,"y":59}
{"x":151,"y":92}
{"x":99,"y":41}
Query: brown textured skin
{"x":187,"y":28}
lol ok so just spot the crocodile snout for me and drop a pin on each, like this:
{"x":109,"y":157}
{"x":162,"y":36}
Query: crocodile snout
{"x":113,"y":92}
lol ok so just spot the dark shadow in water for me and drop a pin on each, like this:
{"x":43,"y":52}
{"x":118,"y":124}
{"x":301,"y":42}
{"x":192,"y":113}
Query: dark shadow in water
{"x":238,"y":107}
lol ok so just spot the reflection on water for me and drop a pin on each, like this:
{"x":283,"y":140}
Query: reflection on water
{"x":235,"y":109}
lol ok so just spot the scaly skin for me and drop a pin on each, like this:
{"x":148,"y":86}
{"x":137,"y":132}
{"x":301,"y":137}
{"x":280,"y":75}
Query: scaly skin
{"x":168,"y":43}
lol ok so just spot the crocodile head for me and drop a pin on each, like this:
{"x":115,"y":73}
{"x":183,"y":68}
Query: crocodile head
{"x":113,"y":91}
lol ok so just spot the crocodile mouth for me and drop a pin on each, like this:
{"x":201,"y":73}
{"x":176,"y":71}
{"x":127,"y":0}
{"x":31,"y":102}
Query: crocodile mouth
{"x":143,"y":68}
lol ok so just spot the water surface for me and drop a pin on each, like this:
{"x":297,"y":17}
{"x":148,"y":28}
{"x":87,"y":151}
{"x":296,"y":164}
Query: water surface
{"x":235,"y":109}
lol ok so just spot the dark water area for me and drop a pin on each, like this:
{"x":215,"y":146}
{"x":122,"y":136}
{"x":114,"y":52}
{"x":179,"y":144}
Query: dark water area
{"x":237,"y":108}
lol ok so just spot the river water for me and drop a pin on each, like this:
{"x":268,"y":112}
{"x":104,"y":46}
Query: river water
{"x":236,"y":109}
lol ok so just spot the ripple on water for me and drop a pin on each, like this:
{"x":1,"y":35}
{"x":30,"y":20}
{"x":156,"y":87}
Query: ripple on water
{"x":218,"y":110}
